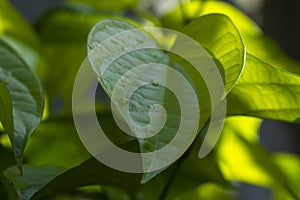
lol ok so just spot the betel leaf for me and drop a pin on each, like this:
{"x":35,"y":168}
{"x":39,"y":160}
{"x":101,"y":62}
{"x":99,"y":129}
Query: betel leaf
{"x":33,"y":179}
{"x":266,"y":92}
{"x":241,"y":158}
{"x":218,"y":34}
{"x":150,"y":93}
{"x":145,"y":96}
{"x":26,"y":95}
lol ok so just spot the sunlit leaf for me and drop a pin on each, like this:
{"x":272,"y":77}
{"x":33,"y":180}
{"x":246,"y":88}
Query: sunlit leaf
{"x":26,"y":95}
{"x":218,"y":34}
{"x":265,"y":91}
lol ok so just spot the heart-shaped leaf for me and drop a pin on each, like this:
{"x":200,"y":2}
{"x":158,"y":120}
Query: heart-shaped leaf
{"x":144,"y":51}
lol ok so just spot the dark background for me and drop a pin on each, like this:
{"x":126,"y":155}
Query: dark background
{"x":280,"y":20}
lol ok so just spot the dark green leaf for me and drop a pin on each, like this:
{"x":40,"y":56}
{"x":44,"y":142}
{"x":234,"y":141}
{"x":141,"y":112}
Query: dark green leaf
{"x":91,"y":172}
{"x":6,"y":160}
{"x":33,"y":179}
{"x":26,"y":95}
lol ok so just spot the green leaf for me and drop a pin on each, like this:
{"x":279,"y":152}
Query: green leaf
{"x":90,"y":172}
{"x":242,"y":158}
{"x":146,"y":95}
{"x":32,"y":180}
{"x":266,"y":92}
{"x":26,"y":95}
{"x":218,"y":34}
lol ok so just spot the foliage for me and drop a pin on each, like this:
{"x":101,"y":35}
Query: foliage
{"x":260,"y":82}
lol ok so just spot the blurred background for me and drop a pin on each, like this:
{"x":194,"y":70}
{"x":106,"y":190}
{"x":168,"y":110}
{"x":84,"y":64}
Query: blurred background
{"x":279,"y":20}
